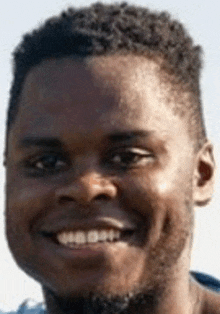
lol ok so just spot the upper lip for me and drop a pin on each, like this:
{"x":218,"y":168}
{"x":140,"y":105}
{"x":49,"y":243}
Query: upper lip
{"x":85,"y":225}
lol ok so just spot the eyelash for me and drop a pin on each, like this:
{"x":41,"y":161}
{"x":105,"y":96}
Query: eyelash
{"x":42,"y":169}
{"x":135,"y":157}
{"x":125,"y":158}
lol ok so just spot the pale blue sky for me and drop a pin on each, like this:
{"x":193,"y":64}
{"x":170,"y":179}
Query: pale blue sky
{"x":202,"y":20}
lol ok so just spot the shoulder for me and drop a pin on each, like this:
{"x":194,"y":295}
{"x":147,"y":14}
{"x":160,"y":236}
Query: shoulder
{"x":28,"y":307}
{"x":207,"y":281}
{"x":210,"y":291}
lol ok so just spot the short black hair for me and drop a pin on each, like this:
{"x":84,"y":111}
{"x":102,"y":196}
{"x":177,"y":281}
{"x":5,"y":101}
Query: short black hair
{"x":105,"y":29}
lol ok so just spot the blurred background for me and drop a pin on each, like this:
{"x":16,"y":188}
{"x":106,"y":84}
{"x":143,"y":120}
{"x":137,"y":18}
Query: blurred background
{"x":201,"y":18}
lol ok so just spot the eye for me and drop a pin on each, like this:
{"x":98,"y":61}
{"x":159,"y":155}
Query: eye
{"x":131,"y":157}
{"x":49,"y":163}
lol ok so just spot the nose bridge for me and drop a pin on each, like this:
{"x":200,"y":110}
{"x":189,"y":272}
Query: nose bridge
{"x":88,"y":184}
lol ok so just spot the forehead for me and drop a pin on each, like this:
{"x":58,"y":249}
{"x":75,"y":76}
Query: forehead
{"x":126,"y":79}
{"x":117,"y":92}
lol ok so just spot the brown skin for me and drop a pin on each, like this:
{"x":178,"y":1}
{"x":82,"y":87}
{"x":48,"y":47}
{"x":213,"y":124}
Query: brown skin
{"x":92,"y":174}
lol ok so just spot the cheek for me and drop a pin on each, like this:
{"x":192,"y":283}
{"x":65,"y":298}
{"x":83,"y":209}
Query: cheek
{"x":25,"y":199}
{"x":154,"y":197}
{"x":25,"y":202}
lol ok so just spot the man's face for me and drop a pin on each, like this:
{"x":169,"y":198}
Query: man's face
{"x":99,"y":178}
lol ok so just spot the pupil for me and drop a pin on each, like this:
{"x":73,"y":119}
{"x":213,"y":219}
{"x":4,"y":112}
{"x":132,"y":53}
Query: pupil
{"x":128,"y":158}
{"x":50,"y":161}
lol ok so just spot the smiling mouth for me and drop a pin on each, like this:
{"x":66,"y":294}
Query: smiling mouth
{"x":81,"y":238}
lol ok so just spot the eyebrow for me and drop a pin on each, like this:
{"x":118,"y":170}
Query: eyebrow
{"x":54,"y":142}
{"x":128,"y":136}
{"x":41,"y":141}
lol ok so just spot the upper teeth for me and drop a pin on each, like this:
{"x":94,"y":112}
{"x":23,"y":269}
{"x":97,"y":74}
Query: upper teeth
{"x":83,"y":237}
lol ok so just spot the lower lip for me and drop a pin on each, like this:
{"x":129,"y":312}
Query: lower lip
{"x":90,"y":251}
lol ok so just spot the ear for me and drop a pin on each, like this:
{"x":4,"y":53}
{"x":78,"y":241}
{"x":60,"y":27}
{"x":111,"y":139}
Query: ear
{"x":204,"y":175}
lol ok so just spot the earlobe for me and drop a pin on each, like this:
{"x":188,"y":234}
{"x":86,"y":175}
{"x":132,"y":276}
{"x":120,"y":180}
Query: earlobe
{"x":204,"y":175}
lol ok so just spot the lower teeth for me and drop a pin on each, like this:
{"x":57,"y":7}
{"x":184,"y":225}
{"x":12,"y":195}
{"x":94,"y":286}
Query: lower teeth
{"x":73,"y":244}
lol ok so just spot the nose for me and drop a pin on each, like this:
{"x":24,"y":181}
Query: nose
{"x":86,"y":189}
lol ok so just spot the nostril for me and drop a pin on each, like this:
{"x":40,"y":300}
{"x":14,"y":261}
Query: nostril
{"x":83,"y":191}
{"x":65,"y":199}
{"x":101,"y":197}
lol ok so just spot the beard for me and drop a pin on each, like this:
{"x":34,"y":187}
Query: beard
{"x":100,"y":304}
